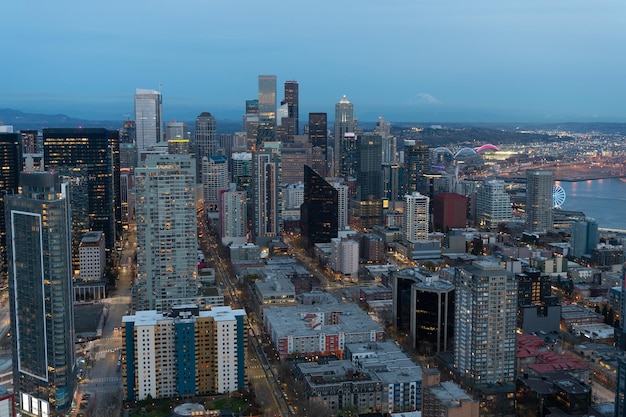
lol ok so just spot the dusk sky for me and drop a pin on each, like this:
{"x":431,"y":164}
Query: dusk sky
{"x":405,"y":60}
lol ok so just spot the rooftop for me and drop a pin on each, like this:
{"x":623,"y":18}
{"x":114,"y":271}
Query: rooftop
{"x":296,"y":320}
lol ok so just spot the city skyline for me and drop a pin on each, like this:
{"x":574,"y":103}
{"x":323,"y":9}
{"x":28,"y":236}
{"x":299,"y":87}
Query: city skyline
{"x":416,"y":62}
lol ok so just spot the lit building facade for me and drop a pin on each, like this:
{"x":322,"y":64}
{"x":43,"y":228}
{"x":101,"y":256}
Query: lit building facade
{"x":493,"y":204}
{"x":148,"y":118}
{"x":11,"y":166}
{"x":416,"y":216}
{"x":485,"y":323}
{"x":344,"y":123}
{"x":40,"y":293}
{"x":214,"y":179}
{"x":267,"y":191}
{"x":189,"y":352}
{"x":84,"y":157}
{"x":266,"y":109}
{"x":233,"y":215}
{"x":166,"y":231}
{"x":539,"y":200}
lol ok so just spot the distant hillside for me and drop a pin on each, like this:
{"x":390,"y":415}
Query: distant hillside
{"x":23,"y":121}
{"x":471,"y":136}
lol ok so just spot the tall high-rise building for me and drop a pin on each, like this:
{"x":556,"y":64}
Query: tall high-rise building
{"x":392,"y":181}
{"x":294,"y":156}
{"x":493,"y":204}
{"x":291,"y":124}
{"x":318,"y":130}
{"x":318,"y":137}
{"x":369,"y":168}
{"x":267,"y":109}
{"x":342,"y":204}
{"x":250,"y":123}
{"x":344,"y":123}
{"x":539,"y":200}
{"x":417,"y":162}
{"x":148,"y":118}
{"x":166,"y":232}
{"x":319,"y":211}
{"x":485,"y":323}
{"x":41,"y":295}
{"x":233,"y":216}
{"x":366,"y":208}
{"x":85,"y":158}
{"x":267,"y":192}
{"x":190,"y":352}
{"x":416,"y":217}
{"x":206,"y":135}
{"x":214,"y":180}
{"x":10,"y":168}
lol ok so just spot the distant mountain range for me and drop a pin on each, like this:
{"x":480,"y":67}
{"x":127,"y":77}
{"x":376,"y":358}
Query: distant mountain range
{"x":37,"y":121}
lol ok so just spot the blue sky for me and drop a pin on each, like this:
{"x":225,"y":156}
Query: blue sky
{"x":405,"y":60}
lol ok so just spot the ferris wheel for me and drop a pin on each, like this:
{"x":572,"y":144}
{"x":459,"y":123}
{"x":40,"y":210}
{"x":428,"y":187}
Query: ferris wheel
{"x":558,"y":196}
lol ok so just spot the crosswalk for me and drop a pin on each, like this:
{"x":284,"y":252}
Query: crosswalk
{"x":106,"y":380}
{"x":102,"y":354}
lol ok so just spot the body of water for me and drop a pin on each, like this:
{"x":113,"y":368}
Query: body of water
{"x":604,"y":200}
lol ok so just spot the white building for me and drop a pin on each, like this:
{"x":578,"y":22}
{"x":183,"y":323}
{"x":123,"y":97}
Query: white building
{"x":493,"y":204}
{"x":92,"y":256}
{"x":342,"y":205}
{"x":214,"y":179}
{"x":233,"y":217}
{"x":294,"y":196}
{"x":344,"y":258}
{"x":166,"y":231}
{"x":416,"y":216}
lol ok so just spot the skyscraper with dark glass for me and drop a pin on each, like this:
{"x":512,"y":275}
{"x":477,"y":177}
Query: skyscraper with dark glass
{"x":267,"y":192}
{"x":293,"y":115}
{"x":417,"y":162}
{"x":40,"y":294}
{"x":319,"y":212}
{"x":318,"y":137}
{"x":366,"y":207}
{"x":344,"y":123}
{"x":10,"y":168}
{"x":84,"y":157}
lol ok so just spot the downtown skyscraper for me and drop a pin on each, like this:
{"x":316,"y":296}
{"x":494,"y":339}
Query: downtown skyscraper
{"x":485,"y":323}
{"x":166,"y":232}
{"x":41,"y":295}
{"x":344,"y":123}
{"x":539,"y":200}
{"x":206,"y":143}
{"x":267,"y":109}
{"x":10,"y":168}
{"x":88,"y":158}
{"x":148,"y":118}
{"x":267,"y":192}
{"x":291,"y":122}
{"x":319,"y":212}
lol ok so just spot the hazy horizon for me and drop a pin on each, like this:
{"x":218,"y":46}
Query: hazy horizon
{"x":448,"y":61}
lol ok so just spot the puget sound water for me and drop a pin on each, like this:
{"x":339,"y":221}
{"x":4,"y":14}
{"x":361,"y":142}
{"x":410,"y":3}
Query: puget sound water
{"x":604,"y":200}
